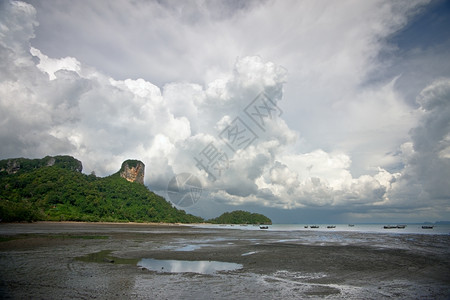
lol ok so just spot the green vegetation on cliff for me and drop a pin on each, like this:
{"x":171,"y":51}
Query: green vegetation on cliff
{"x":53,"y":188}
{"x":131,"y":163}
{"x":21,"y":165}
{"x":241,"y":217}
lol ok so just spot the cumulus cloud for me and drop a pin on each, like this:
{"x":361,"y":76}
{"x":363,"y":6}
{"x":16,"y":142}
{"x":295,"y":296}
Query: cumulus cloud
{"x":426,"y":177}
{"x":52,"y":106}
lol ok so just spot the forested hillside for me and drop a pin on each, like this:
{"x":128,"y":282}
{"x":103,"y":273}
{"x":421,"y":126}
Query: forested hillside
{"x":241,"y":217}
{"x":53,"y":188}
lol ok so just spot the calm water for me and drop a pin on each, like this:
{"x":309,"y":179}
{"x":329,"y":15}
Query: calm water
{"x":413,"y":237}
{"x":369,"y":228}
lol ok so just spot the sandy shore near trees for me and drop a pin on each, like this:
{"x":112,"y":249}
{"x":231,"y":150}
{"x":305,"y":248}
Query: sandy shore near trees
{"x":93,"y":260}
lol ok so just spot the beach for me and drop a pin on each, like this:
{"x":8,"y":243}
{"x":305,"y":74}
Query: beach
{"x":48,"y":260}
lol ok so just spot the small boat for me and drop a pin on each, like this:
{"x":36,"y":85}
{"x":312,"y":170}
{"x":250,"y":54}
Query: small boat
{"x":314,"y":226}
{"x":394,"y":227}
{"x":427,"y":227}
{"x":331,"y":226}
{"x":263,"y":227}
{"x":306,"y":226}
{"x":389,"y":226}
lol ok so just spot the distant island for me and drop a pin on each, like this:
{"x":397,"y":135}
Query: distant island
{"x":54,"y":189}
{"x":241,"y":217}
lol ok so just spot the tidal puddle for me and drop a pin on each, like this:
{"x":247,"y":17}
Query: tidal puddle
{"x":249,"y":253}
{"x":186,"y":266}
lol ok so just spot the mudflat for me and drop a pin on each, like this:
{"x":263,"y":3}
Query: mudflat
{"x":48,"y":260}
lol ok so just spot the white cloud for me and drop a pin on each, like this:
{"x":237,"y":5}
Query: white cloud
{"x":339,"y":142}
{"x":50,"y":66}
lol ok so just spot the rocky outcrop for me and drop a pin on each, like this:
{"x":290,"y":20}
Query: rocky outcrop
{"x":133,"y":171}
{"x":12,"y":167}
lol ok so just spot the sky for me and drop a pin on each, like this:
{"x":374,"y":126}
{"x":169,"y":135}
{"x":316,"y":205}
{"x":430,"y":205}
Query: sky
{"x":306,"y":111}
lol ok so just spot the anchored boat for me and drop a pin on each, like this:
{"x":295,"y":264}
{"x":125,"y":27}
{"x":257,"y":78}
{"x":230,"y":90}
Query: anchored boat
{"x":394,"y":226}
{"x":427,"y":227}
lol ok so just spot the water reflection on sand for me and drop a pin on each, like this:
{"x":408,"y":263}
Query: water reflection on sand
{"x":186,"y":266}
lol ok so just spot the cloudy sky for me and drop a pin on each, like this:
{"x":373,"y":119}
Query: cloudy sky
{"x":306,"y":111}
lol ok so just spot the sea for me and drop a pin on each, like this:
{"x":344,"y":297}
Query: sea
{"x":357,"y":228}
{"x":412,"y":237}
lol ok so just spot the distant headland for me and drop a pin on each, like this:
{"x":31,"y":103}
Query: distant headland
{"x":55,"y":189}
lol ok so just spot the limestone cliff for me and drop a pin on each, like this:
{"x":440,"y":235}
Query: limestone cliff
{"x":133,"y":171}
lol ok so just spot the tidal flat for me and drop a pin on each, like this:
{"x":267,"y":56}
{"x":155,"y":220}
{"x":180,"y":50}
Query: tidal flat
{"x":48,"y":260}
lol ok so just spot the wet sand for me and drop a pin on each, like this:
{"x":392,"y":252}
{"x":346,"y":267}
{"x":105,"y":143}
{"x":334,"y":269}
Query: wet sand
{"x":99,"y":261}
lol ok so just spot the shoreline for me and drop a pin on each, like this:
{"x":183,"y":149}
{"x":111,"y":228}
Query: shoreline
{"x":372,"y":228}
{"x":231,"y":224}
{"x":106,"y":223}
{"x":98,"y":261}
